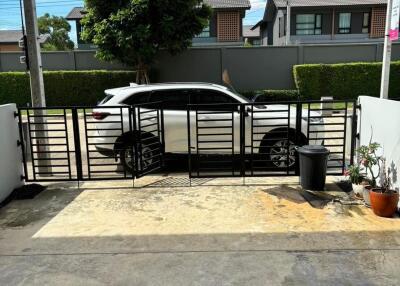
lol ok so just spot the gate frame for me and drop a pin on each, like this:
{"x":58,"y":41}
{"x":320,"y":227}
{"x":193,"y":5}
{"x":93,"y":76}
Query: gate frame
{"x":298,"y":131}
{"x":76,"y":139}
{"x":160,"y":114}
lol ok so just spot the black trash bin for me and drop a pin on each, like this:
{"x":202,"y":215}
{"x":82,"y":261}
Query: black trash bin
{"x":313,"y":161}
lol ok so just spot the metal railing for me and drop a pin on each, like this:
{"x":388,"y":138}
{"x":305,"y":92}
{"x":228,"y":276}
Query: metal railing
{"x":223,"y":140}
{"x":259,"y":139}
{"x":86,"y":143}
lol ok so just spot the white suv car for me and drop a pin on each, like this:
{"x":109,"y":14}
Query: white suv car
{"x":175,"y":98}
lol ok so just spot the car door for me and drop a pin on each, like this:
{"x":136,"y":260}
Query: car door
{"x":174,"y":102}
{"x":218,"y":122}
{"x":136,"y":99}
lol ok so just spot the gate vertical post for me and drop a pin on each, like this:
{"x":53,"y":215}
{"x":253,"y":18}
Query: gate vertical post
{"x":354,"y":123}
{"x":22,"y":142}
{"x":77,"y":143}
{"x":135,"y":141}
{"x":299,"y":114}
{"x":242,"y":141}
{"x":162,"y":135}
{"x":189,"y":130}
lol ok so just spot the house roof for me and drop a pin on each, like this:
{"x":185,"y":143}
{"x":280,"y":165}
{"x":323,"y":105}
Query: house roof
{"x":249,"y":33}
{"x":75,"y":14}
{"x":319,"y":3}
{"x":10,"y":36}
{"x":78,"y":12}
{"x":14,"y":36}
{"x":223,"y":4}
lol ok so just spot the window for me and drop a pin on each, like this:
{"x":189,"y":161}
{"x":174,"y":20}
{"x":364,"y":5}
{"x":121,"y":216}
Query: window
{"x":366,"y":23}
{"x":106,"y":99}
{"x":172,"y":99}
{"x":344,"y":23}
{"x":209,"y":96}
{"x":137,"y":98}
{"x":308,"y":24}
{"x":205,"y":33}
{"x":282,"y":27}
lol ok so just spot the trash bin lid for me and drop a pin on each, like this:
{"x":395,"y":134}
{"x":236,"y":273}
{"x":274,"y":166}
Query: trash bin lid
{"x":313,"y":150}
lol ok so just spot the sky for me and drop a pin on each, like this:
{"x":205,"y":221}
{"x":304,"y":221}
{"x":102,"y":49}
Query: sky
{"x":10,"y":18}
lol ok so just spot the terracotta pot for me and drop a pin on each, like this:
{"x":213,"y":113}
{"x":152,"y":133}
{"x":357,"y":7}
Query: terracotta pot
{"x":384,"y":204}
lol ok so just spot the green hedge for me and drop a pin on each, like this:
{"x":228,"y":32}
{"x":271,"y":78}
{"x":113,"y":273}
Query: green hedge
{"x":272,"y":95}
{"x":63,"y":88}
{"x":344,"y":81}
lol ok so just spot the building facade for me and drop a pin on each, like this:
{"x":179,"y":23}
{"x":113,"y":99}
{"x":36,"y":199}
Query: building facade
{"x":323,"y":22}
{"x":9,"y":40}
{"x":251,"y":36}
{"x":225,"y":27}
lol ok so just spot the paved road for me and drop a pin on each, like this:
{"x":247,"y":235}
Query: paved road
{"x":216,"y":233}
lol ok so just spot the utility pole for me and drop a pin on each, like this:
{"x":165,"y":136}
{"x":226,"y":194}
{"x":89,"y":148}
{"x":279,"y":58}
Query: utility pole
{"x":37,"y":85}
{"x":387,"y":54}
{"x":288,"y":16}
{"x":35,"y":59}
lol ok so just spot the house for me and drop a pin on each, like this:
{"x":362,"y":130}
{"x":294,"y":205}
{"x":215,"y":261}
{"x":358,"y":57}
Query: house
{"x":251,"y":36}
{"x":9,"y":40}
{"x":225,"y":28}
{"x":76,"y":15}
{"x":226,"y":23}
{"x":323,"y":21}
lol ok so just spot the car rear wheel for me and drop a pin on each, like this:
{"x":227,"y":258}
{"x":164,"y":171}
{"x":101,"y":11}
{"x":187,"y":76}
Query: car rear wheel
{"x":280,"y":153}
{"x":127,"y":157}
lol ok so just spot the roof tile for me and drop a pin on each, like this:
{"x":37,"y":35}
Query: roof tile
{"x":76,"y":13}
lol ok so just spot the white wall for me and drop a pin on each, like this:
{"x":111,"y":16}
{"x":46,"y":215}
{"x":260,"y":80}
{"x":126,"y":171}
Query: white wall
{"x":10,"y":153}
{"x":380,"y":118}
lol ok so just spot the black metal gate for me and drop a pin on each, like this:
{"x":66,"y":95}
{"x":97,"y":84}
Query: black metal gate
{"x":259,"y":139}
{"x":88,"y":143}
{"x":224,"y":140}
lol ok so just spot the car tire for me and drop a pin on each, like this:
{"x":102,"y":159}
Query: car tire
{"x":275,"y":152}
{"x":149,"y":150}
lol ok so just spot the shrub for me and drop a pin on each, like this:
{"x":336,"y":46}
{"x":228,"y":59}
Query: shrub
{"x":344,"y":81}
{"x":272,"y":95}
{"x":63,"y":88}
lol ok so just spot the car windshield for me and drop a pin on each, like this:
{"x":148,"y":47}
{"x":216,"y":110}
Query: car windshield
{"x":239,"y":95}
{"x":246,"y":99}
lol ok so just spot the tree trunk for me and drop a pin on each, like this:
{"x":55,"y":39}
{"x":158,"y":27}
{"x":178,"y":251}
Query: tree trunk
{"x":141,"y":74}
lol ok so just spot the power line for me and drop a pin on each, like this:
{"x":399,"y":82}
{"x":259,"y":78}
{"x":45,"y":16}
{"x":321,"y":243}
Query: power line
{"x":43,"y":6}
{"x":39,"y":2}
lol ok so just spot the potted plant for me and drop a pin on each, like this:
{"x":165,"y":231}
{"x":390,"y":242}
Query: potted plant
{"x":369,"y":159}
{"x":358,"y":181}
{"x":384,"y":200}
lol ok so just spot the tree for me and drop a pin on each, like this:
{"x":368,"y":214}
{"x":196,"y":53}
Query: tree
{"x":134,"y":31}
{"x":56,"y":29}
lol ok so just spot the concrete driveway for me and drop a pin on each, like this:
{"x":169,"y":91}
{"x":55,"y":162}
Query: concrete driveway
{"x":217,"y":232}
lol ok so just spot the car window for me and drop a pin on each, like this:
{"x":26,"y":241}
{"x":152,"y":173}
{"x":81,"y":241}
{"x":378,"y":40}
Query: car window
{"x":137,"y":98}
{"x":106,"y":99}
{"x":209,"y":96}
{"x":172,"y":99}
